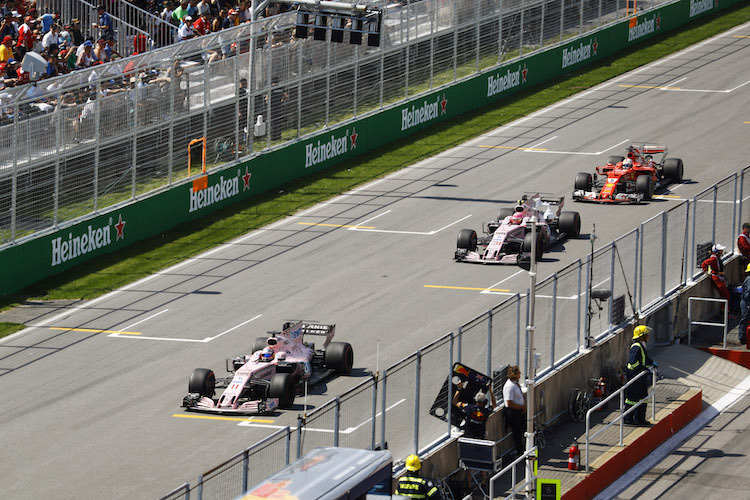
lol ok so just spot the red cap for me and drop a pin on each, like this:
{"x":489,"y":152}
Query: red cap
{"x":7,"y":39}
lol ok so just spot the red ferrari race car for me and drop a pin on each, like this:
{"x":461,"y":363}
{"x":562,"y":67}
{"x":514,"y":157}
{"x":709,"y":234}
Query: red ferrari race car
{"x":507,"y":240}
{"x":268,"y":378}
{"x":631,"y":178}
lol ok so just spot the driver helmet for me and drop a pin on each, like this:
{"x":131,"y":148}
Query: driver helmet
{"x":266,"y":354}
{"x":627,"y":163}
{"x":516,"y":218}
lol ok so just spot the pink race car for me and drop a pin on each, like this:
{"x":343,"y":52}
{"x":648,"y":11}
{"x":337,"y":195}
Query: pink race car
{"x":507,"y":240}
{"x":268,"y":378}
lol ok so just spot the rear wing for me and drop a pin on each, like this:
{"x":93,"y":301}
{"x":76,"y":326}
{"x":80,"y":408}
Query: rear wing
{"x":537,"y":200}
{"x":642,"y":150}
{"x":296,"y":330}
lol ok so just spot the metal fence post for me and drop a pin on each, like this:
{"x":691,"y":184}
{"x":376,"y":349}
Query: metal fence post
{"x":336,"y":421}
{"x":518,"y":329}
{"x":489,"y":342}
{"x":640,"y":266}
{"x":449,"y":401}
{"x":199,"y":487}
{"x":693,"y":250}
{"x":97,"y":123}
{"x":554,"y":321}
{"x":686,"y":244}
{"x":458,"y":348}
{"x":383,"y":395}
{"x":526,"y":366}
{"x":300,"y":427}
{"x":610,"y":302}
{"x":664,"y":243}
{"x":578,"y":309}
{"x":587,"y":323}
{"x":713,"y":214}
{"x":245,"y":468}
{"x":287,"y":445}
{"x":418,"y":380}
{"x":741,"y":193}
{"x":636,"y":271}
{"x":374,"y":410}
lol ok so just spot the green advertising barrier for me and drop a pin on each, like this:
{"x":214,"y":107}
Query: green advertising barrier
{"x":34,"y":260}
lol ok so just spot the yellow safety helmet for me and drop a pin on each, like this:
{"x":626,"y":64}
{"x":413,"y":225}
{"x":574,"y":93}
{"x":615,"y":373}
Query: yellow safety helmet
{"x":413,"y":463}
{"x":640,"y":331}
{"x":747,"y":269}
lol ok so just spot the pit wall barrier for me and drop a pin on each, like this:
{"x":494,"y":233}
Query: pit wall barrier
{"x":30,"y":261}
{"x":553,"y":389}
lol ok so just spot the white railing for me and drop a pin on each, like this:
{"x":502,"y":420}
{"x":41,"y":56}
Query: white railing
{"x":528,"y":455}
{"x":621,"y":393}
{"x":725,"y":324}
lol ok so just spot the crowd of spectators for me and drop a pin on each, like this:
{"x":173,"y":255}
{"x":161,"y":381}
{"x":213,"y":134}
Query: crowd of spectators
{"x":65,"y":46}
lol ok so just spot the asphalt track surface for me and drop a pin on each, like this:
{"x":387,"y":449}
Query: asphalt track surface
{"x":89,"y":413}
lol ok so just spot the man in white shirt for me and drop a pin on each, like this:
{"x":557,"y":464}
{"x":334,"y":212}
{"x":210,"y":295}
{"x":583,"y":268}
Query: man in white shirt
{"x":185,"y":30}
{"x":515,"y":406}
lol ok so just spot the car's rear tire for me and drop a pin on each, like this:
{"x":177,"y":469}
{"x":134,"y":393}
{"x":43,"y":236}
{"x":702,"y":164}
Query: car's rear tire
{"x":503,"y":213}
{"x":260,"y":344}
{"x":570,"y":224}
{"x":339,"y":356}
{"x":583,"y":181}
{"x":202,"y":381}
{"x":614,"y":160}
{"x":283,"y":387}
{"x":467,"y":239}
{"x":527,"y":243}
{"x":644,"y":185}
{"x":673,"y":169}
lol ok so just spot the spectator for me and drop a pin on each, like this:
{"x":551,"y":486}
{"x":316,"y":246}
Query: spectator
{"x":86,"y":57}
{"x":25,"y":37}
{"x":185,"y":30}
{"x":743,"y":244}
{"x":65,"y":37}
{"x":99,"y":51}
{"x":203,"y":25}
{"x":75,"y":32}
{"x":167,"y":12}
{"x":140,"y":43}
{"x":231,"y":21}
{"x":52,"y":37}
{"x":180,"y":12}
{"x":216,"y":7}
{"x":6,"y":49}
{"x":218,"y":21}
{"x":105,"y":22}
{"x":192,"y":11}
{"x":46,"y":21}
{"x":7,"y":28}
{"x":203,"y":7}
{"x":112,"y":54}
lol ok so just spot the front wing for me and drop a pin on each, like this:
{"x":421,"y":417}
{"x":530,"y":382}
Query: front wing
{"x":463,"y":255}
{"x":198,"y":403}
{"x":594,"y":197}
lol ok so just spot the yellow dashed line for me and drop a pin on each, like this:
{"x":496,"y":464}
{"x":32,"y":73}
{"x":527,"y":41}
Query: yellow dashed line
{"x":334,"y":225}
{"x":92,"y":330}
{"x":467,"y":288}
{"x":740,"y":36}
{"x":649,"y":87}
{"x":512,"y":147}
{"x":231,"y":419}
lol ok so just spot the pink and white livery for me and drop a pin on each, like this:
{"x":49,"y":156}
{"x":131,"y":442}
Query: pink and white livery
{"x":268,"y":378}
{"x":507,"y":239}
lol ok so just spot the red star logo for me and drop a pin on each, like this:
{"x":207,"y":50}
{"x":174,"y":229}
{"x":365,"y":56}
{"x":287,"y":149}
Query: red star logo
{"x":596,"y":46}
{"x":658,"y":22}
{"x":120,"y":226}
{"x":524,"y":72}
{"x":444,"y":105}
{"x":353,"y":138}
{"x":246,"y":179}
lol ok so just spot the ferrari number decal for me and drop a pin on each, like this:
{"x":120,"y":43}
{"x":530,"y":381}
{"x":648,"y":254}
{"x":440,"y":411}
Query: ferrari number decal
{"x":611,"y":180}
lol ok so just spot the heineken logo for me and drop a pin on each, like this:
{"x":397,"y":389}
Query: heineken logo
{"x":701,"y":6}
{"x":322,"y":150}
{"x":574,"y":55}
{"x":222,"y":189}
{"x":640,"y":29}
{"x":91,"y":239}
{"x":411,"y":117}
{"x":500,"y":82}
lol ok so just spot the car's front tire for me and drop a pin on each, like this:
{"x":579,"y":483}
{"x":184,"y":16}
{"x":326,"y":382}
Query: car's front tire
{"x":528,"y":242}
{"x":467,"y":239}
{"x":583,"y":181}
{"x":645,"y":185}
{"x":203,"y":382}
{"x":283,"y":387}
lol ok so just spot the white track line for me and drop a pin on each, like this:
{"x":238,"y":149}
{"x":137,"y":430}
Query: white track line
{"x":127,"y":328}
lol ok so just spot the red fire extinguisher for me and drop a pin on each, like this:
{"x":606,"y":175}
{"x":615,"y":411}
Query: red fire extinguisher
{"x":599,"y":392}
{"x":574,"y":456}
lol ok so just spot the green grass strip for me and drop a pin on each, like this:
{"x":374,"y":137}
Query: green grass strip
{"x":110,"y":272}
{"x":8,"y":328}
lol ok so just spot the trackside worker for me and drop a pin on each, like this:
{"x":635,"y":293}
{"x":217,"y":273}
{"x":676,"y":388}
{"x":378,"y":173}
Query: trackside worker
{"x":413,"y":485}
{"x":714,"y":267}
{"x":743,"y":243}
{"x":476,"y":414}
{"x":638,"y":361}
{"x":744,"y":307}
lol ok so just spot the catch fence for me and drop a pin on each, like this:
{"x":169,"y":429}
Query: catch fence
{"x":106,"y":136}
{"x":578,"y":306}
